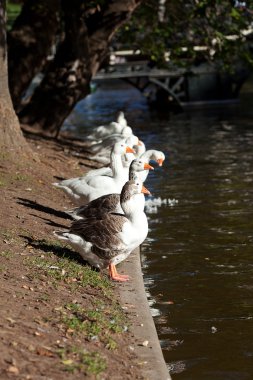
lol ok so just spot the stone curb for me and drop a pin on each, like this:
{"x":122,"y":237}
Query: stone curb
{"x":134,"y":300}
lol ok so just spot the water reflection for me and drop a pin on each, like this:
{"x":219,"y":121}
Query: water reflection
{"x":208,"y":240}
{"x":197,"y":259}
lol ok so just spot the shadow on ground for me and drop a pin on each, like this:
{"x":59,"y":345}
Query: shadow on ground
{"x":61,"y":252}
{"x":39,"y":207}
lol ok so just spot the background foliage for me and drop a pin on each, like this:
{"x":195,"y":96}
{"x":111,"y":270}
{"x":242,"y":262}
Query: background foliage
{"x":216,"y":26}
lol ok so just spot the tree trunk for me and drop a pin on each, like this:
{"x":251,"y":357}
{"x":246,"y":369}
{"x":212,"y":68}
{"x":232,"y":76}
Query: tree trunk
{"x":68,"y":76}
{"x":88,"y":33}
{"x":29,"y":43}
{"x":103,"y":25}
{"x":12,"y":140}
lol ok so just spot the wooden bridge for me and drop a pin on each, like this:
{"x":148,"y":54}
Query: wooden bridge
{"x":176,"y":88}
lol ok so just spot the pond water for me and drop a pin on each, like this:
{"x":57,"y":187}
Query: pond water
{"x":198,"y":257}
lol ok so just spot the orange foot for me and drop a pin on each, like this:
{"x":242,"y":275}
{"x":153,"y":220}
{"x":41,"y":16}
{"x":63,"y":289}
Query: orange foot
{"x":114,"y":275}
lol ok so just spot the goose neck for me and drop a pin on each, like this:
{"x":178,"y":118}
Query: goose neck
{"x":147,"y":155}
{"x":116,"y":164}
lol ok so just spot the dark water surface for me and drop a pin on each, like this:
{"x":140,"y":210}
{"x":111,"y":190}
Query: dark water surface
{"x":198,"y":257}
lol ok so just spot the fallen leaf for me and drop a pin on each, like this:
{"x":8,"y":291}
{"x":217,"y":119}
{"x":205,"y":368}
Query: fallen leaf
{"x":142,"y":363}
{"x":31,"y":348}
{"x":13,"y":369}
{"x":67,"y":362}
{"x":11,"y":320}
{"x":44,"y":352}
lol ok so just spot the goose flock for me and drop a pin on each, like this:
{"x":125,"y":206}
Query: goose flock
{"x":109,"y":221}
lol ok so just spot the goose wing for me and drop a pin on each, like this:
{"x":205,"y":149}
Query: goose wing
{"x":102,"y":233}
{"x":99,"y":206}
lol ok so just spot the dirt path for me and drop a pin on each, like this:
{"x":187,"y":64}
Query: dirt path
{"x":59,"y":319}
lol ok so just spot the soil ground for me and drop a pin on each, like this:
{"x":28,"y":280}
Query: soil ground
{"x":59,"y":318}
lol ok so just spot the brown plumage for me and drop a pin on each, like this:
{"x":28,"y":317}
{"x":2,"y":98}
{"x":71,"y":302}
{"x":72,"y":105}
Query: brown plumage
{"x":107,"y":239}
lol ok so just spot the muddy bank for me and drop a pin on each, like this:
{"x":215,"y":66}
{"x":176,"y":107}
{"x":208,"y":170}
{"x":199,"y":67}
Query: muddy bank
{"x":58,"y":318}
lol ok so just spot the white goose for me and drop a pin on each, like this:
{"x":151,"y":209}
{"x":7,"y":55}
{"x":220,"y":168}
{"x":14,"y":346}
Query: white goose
{"x":107,"y":141}
{"x":121,"y":119}
{"x":109,"y":202}
{"x":126,"y":160}
{"x":103,"y":155}
{"x":139,"y":150}
{"x":107,"y":130}
{"x":107,"y":240}
{"x":82,"y":190}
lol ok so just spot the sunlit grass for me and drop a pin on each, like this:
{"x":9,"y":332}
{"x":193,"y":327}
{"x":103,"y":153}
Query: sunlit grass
{"x":6,"y":254}
{"x":90,"y":363}
{"x":100,"y":322}
{"x":61,"y":264}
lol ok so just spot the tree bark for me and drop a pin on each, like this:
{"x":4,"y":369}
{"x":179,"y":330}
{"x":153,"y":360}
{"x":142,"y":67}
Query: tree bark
{"x":88,"y":33}
{"x":67,"y":78}
{"x":12,"y":140}
{"x":103,"y":25}
{"x":29,"y":43}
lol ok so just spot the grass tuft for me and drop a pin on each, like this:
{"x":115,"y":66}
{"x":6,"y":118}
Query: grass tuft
{"x":98,"y":323}
{"x":91,"y":363}
{"x":62,"y":264}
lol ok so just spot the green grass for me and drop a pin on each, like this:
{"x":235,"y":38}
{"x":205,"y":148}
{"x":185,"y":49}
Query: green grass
{"x":82,"y":360}
{"x":20,"y":177}
{"x":7,"y":234}
{"x":100,"y":322}
{"x":8,"y":179}
{"x":61,"y":264}
{"x":4,"y":155}
{"x":6,"y":254}
{"x":2,"y":183}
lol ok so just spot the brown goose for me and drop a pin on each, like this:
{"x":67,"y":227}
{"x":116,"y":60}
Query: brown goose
{"x":107,"y":240}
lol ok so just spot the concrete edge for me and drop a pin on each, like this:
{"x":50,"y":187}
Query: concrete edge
{"x":134,"y":301}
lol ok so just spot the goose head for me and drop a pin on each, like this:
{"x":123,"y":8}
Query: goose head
{"x":121,"y":119}
{"x":138,"y":165}
{"x":121,"y":148}
{"x":139,"y":148}
{"x":132,"y":140}
{"x":159,"y":157}
{"x":154,"y":155}
{"x":131,"y":188}
{"x":127,"y":132}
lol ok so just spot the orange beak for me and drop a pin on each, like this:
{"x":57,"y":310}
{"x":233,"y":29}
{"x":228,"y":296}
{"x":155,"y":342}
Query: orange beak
{"x":145,"y":191}
{"x":129,"y":150}
{"x":160,"y":161}
{"x":147,"y":167}
{"x":139,"y":143}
